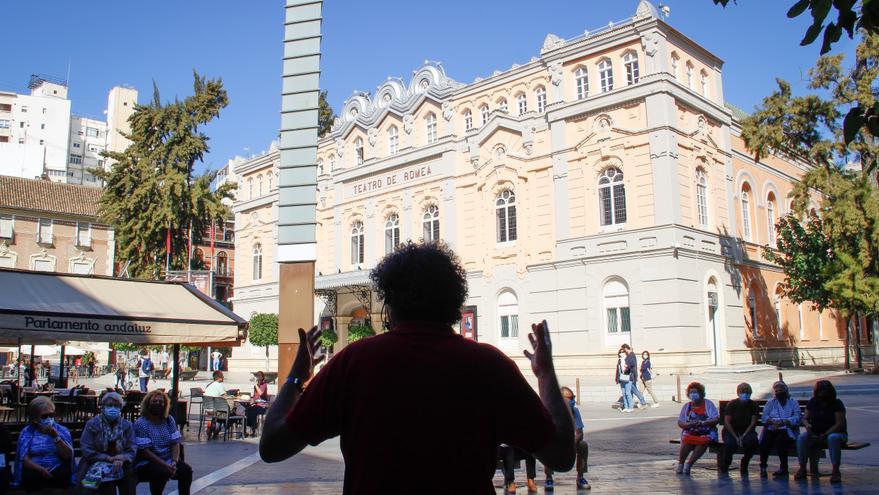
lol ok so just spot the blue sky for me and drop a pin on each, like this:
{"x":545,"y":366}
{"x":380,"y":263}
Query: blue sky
{"x":110,"y":42}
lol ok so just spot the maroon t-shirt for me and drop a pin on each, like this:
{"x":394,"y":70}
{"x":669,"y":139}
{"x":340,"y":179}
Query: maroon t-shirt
{"x":421,"y":409}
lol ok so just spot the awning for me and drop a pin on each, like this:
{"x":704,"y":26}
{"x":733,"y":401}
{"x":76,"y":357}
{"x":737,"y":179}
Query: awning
{"x":50,"y":308}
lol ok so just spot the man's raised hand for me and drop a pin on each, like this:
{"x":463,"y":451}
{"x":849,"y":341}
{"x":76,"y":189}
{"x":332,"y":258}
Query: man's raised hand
{"x":541,"y":358}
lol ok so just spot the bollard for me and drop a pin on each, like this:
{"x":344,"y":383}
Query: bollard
{"x":780,"y":377}
{"x":578,"y":391}
{"x":678,"y":379}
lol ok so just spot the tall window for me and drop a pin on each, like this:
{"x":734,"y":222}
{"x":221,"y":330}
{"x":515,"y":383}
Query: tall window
{"x":702,"y":197}
{"x":502,"y":105}
{"x":6,"y":224}
{"x":675,"y":62}
{"x":581,"y":78}
{"x":605,"y":75}
{"x":393,"y":140}
{"x":358,"y":151}
{"x":746,"y":213}
{"x":778,"y":331}
{"x":522,"y":103}
{"x":271,"y":176}
{"x":630,"y":62}
{"x":357,"y":247}
{"x":83,"y":234}
{"x":508,"y":314}
{"x":222,"y":264}
{"x":483,"y":111}
{"x":44,"y":231}
{"x":431,"y":128}
{"x":320,"y":167}
{"x":431,"y":224}
{"x":257,"y":262}
{"x":505,"y":207}
{"x":392,"y":233}
{"x":690,"y":75}
{"x":770,"y":219}
{"x":752,"y":311}
{"x":703,"y":82}
{"x":250,"y":188}
{"x":616,"y":307}
{"x":540,"y":94}
{"x":259,"y":184}
{"x":468,"y":120}
{"x":612,"y":197}
{"x":332,"y":164}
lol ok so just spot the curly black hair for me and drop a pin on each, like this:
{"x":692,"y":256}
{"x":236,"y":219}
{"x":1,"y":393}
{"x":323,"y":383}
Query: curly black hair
{"x":422,"y":282}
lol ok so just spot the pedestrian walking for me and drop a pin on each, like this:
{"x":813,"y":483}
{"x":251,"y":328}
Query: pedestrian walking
{"x":144,"y":370}
{"x":647,"y":375}
{"x":581,"y":447}
{"x":121,"y":371}
{"x":781,"y":426}
{"x":740,"y":428}
{"x":91,"y":365}
{"x":698,"y":424}
{"x":632,"y":363}
{"x":624,"y":376}
{"x":826,"y":426}
{"x":421,"y":410}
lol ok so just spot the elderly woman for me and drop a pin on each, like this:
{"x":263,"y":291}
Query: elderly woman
{"x":698,"y":424}
{"x":108,"y":451}
{"x":825,"y":425}
{"x":158,"y":441}
{"x":44,"y":458}
{"x":781,"y":425}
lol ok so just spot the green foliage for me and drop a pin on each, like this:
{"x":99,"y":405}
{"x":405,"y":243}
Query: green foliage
{"x":151,"y":190}
{"x":124,"y":346}
{"x":358,"y":332}
{"x":328,"y":338}
{"x":263,"y":330}
{"x":325,"y":115}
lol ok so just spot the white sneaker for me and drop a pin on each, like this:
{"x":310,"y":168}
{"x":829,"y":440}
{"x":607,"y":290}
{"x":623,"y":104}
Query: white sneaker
{"x":655,"y":404}
{"x":628,"y":410}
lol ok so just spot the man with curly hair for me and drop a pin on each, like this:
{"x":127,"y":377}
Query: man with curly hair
{"x":421,"y":398}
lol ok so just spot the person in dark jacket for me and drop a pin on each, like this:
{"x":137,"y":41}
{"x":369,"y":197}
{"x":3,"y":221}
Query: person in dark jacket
{"x":108,"y":451}
{"x":624,"y":375}
{"x":740,"y":428}
{"x":647,"y":375}
{"x":825,"y":425}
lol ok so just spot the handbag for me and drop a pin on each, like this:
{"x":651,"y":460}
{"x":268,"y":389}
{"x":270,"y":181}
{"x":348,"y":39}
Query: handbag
{"x":624,"y":377}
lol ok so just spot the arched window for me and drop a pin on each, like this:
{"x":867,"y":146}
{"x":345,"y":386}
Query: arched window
{"x":431,"y":128}
{"x":522,"y":103}
{"x":702,"y":197}
{"x":198,"y":255}
{"x":502,"y":105}
{"x":540,"y":96}
{"x":250,"y":188}
{"x":581,"y":79}
{"x":630,"y":62}
{"x":770,"y":219}
{"x":332,"y":163}
{"x":612,"y":197}
{"x":468,"y":120}
{"x":358,"y":151}
{"x":430,"y":222}
{"x":257,"y":262}
{"x":703,"y":82}
{"x":357,"y":241}
{"x":675,"y":62}
{"x":271,"y":181}
{"x":505,"y":208}
{"x":259,"y":185}
{"x":746,"y":212}
{"x":605,"y":75}
{"x":483,"y":111}
{"x":320,"y":167}
{"x":392,"y":233}
{"x":752,"y":311}
{"x":508,"y":314}
{"x":222,"y":264}
{"x":616,"y":307}
{"x":690,"y":75}
{"x":393,"y":140}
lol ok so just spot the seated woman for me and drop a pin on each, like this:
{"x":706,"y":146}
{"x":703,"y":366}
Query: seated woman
{"x":826,"y":426}
{"x":739,"y":428}
{"x":698,"y":422}
{"x":258,"y":401}
{"x":158,"y":442}
{"x":781,"y":424}
{"x":108,"y":451}
{"x":44,"y":457}
{"x":508,"y":456}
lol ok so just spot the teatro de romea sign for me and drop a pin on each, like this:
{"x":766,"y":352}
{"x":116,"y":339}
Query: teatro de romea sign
{"x":397,"y":178}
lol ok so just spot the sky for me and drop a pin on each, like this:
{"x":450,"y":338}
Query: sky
{"x":104,"y":43}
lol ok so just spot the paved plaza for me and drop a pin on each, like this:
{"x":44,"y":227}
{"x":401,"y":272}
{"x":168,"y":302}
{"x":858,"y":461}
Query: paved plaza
{"x":629,"y":453}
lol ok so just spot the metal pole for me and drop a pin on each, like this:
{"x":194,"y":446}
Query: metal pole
{"x":31,"y":368}
{"x":578,"y":391}
{"x":175,"y":379}
{"x":678,"y":380}
{"x":60,"y":382}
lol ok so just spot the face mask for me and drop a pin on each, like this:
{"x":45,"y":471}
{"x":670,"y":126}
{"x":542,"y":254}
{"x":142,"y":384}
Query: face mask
{"x":47,"y":421}
{"x":157,"y":409}
{"x":694,"y":396}
{"x":781,"y":395}
{"x":112,"y":413}
{"x":744,"y":397}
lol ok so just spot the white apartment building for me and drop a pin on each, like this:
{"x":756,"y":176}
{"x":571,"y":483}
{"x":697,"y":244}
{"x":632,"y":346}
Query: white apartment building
{"x":39,"y":135}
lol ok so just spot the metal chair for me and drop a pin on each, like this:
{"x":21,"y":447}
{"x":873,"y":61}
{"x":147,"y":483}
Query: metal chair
{"x":208,"y":411}
{"x":227,"y":417}
{"x":196,"y":396}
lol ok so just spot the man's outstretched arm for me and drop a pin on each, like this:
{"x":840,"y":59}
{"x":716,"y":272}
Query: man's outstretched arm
{"x":558,"y":453}
{"x":278,"y":440}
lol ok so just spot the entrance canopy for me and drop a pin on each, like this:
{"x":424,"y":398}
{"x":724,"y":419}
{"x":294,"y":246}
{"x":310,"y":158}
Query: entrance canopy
{"x":50,"y":308}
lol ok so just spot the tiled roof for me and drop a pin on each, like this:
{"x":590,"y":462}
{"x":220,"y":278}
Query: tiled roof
{"x":737,"y":112}
{"x":51,"y":197}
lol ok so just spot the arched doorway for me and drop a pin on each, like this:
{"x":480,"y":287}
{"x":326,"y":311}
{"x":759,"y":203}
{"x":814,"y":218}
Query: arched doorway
{"x":714,"y":314}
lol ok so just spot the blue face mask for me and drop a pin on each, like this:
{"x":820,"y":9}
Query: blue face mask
{"x":744,"y":397}
{"x":572,"y":402}
{"x":112,"y":413}
{"x":694,"y":396}
{"x":47,"y":421}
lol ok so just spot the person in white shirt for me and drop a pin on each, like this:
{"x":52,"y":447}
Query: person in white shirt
{"x":215,"y":389}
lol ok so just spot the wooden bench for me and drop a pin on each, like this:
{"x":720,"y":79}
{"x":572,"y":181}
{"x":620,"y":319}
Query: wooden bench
{"x":718,"y":448}
{"x":15,"y":431}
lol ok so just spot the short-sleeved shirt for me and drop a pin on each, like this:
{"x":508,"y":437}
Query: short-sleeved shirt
{"x":742,"y":413}
{"x":822,"y":415}
{"x":418,"y":397}
{"x":44,"y":451}
{"x":156,"y":437}
{"x":215,"y":389}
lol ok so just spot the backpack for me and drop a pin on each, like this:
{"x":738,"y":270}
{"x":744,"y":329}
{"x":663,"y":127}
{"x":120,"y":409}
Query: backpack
{"x":146,"y":365}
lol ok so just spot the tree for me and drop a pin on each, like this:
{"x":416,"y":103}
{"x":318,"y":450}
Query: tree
{"x":263,"y":331}
{"x":151,"y":192}
{"x":325,"y":115}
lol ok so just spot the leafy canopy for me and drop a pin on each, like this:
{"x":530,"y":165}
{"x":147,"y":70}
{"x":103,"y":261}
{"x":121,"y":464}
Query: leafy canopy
{"x":263,"y":331}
